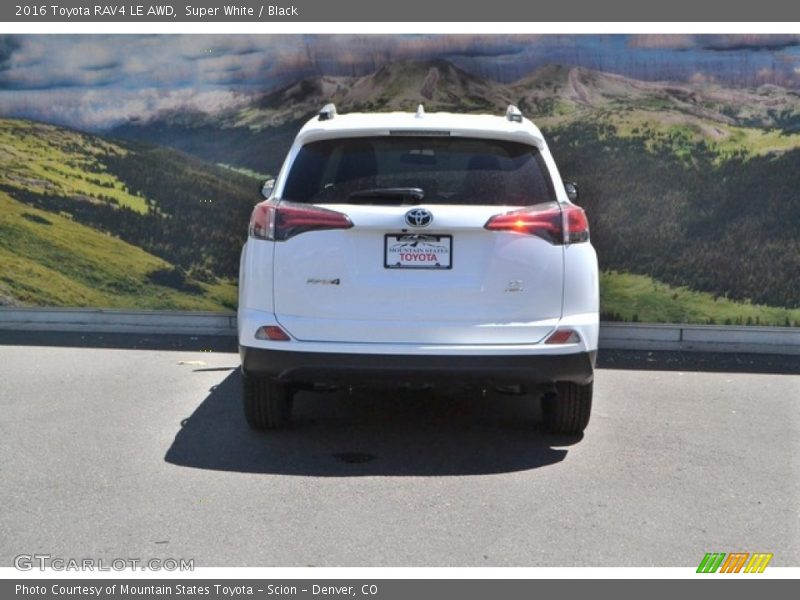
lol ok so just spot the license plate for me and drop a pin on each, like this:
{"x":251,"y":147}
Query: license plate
{"x":418,"y":251}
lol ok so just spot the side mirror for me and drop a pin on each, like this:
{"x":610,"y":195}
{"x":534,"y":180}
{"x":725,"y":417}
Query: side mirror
{"x":572,"y":190}
{"x":267,"y":187}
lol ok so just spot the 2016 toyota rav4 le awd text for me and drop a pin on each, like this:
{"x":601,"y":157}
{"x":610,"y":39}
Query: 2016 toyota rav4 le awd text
{"x":418,"y":248}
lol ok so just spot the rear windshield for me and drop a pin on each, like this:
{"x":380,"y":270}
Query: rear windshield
{"x":447,"y":171}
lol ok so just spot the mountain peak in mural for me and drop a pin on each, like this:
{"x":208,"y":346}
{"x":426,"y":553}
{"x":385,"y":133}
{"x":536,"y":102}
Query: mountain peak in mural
{"x":255,"y":135}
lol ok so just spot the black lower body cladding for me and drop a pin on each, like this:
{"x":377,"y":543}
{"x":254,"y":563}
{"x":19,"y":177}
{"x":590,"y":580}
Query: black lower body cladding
{"x":427,"y":368}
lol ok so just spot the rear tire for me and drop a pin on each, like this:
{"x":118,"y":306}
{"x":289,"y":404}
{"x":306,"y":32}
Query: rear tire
{"x":568,"y":410}
{"x":267,"y":403}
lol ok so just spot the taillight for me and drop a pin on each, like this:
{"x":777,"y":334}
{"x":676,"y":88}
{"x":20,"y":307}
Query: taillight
{"x":576,"y":225}
{"x":279,"y":221}
{"x":552,"y":222}
{"x":262,"y":221}
{"x":542,"y":220}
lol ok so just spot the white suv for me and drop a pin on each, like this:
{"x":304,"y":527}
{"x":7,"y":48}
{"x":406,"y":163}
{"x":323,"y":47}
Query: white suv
{"x":417,"y":248}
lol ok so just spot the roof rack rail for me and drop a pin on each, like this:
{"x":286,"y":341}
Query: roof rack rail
{"x":328,"y":112}
{"x":513,"y":114}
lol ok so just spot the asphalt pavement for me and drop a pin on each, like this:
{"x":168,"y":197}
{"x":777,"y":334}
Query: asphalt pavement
{"x":124,"y":447}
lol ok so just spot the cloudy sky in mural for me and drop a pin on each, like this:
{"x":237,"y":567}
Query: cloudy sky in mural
{"x":96,"y":82}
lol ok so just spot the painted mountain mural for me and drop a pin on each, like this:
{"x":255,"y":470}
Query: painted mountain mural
{"x":690,"y":175}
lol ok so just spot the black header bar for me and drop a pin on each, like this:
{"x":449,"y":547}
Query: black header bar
{"x":439,"y":11}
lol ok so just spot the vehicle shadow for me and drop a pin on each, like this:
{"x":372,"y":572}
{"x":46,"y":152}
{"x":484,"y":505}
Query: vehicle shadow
{"x":371,"y":433}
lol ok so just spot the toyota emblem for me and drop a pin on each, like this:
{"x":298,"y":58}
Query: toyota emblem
{"x":419,"y":217}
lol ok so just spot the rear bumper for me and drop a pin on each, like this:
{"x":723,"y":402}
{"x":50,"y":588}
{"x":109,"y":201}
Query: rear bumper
{"x":324,"y":367}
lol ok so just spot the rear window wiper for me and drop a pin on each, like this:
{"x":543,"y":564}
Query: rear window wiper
{"x":402,"y":194}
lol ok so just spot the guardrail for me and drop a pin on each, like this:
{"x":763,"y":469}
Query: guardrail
{"x":622,"y":336}
{"x":102,"y":320}
{"x":700,"y":338}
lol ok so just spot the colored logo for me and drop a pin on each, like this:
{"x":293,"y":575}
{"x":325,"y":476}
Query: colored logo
{"x":735,"y":562}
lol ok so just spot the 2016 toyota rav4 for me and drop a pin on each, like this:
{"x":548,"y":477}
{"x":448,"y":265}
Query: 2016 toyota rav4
{"x":422,"y":249}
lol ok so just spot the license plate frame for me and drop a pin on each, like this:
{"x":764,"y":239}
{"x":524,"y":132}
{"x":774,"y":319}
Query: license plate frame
{"x":393,"y":242}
